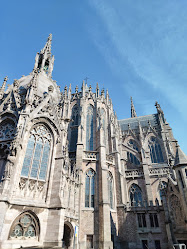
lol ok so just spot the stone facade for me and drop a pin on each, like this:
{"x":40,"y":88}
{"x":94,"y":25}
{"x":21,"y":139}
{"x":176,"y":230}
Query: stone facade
{"x":74,"y":176}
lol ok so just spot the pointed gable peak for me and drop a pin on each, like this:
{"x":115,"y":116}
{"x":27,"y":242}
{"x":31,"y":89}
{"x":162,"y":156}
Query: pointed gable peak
{"x":180,"y":157}
{"x":133,"y":111}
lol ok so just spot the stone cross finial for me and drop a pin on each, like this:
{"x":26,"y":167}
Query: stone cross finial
{"x":133,"y":112}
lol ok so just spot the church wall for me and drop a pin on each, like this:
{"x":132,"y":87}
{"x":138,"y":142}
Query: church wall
{"x":12,"y":213}
{"x":58,"y":202}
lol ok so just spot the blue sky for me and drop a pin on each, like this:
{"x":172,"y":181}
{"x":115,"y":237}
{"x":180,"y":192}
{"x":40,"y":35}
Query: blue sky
{"x":132,"y":48}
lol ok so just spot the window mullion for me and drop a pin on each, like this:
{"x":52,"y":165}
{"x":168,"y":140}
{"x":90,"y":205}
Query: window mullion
{"x":30,"y":168}
{"x":41,"y":156}
{"x":90,"y":179}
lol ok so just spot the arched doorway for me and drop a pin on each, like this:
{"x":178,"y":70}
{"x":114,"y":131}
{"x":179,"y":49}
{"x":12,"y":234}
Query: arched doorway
{"x":67,"y":237}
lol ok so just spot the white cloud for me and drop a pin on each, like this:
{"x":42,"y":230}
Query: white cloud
{"x":149,"y":40}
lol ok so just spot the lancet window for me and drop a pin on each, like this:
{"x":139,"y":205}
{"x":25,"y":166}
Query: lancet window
{"x":110,"y":190}
{"x":89,"y":188}
{"x":132,"y":158}
{"x":25,"y":227}
{"x":155,"y":151}
{"x":74,"y":128}
{"x":37,"y":153}
{"x":135,"y":195}
{"x":89,"y":128}
{"x":133,"y":144}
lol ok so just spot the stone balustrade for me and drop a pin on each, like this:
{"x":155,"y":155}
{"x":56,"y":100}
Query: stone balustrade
{"x":159,"y":171}
{"x":134,"y":173}
{"x":90,"y":155}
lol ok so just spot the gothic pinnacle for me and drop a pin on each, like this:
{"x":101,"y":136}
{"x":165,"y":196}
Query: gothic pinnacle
{"x":2,"y":89}
{"x":133,"y":112}
{"x":47,"y":47}
{"x":4,"y":83}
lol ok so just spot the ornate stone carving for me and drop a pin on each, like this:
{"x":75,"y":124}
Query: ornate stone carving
{"x":7,"y":131}
{"x":40,"y":186}
{"x":22,"y":183}
{"x":8,"y":169}
{"x":32,"y":184}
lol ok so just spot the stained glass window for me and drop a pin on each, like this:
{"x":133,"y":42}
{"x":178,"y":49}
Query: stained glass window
{"x":155,"y":151}
{"x":110,"y":190}
{"x":135,"y":195}
{"x":133,"y":144}
{"x":132,"y":158}
{"x":89,"y":188}
{"x":37,"y":153}
{"x":74,"y":129}
{"x":89,"y":128}
{"x":25,"y":226}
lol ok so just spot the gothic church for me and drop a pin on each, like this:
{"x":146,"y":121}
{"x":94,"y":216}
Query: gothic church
{"x":74,"y":176}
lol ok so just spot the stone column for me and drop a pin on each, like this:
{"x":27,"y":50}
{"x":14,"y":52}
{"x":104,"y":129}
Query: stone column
{"x":104,"y":206}
{"x":145,"y":158}
{"x":55,"y":227}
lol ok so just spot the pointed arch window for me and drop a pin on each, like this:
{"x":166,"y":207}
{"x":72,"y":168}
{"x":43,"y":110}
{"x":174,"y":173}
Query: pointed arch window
{"x":155,"y":151}
{"x":37,"y":153}
{"x":89,"y":128}
{"x":135,"y":195}
{"x":25,"y":227}
{"x":74,"y":129}
{"x":133,"y":144}
{"x":132,"y":158}
{"x":110,"y":190}
{"x":89,"y":188}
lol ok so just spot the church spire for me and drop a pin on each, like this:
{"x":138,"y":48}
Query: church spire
{"x":44,"y":61}
{"x":133,"y":112}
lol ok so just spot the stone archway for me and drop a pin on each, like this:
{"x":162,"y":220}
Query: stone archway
{"x":68,"y":235}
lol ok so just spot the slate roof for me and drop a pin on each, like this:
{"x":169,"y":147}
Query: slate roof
{"x":153,"y":118}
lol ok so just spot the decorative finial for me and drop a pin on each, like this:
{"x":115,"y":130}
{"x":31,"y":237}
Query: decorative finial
{"x":2,"y":89}
{"x":5,"y":79}
{"x":50,"y":37}
{"x":159,"y":110}
{"x":76,"y":89}
{"x":103,"y":92}
{"x":4,"y":84}
{"x":133,"y":112}
{"x":97,"y":90}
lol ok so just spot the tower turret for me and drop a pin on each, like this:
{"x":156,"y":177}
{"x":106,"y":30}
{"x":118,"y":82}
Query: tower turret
{"x":44,"y":61}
